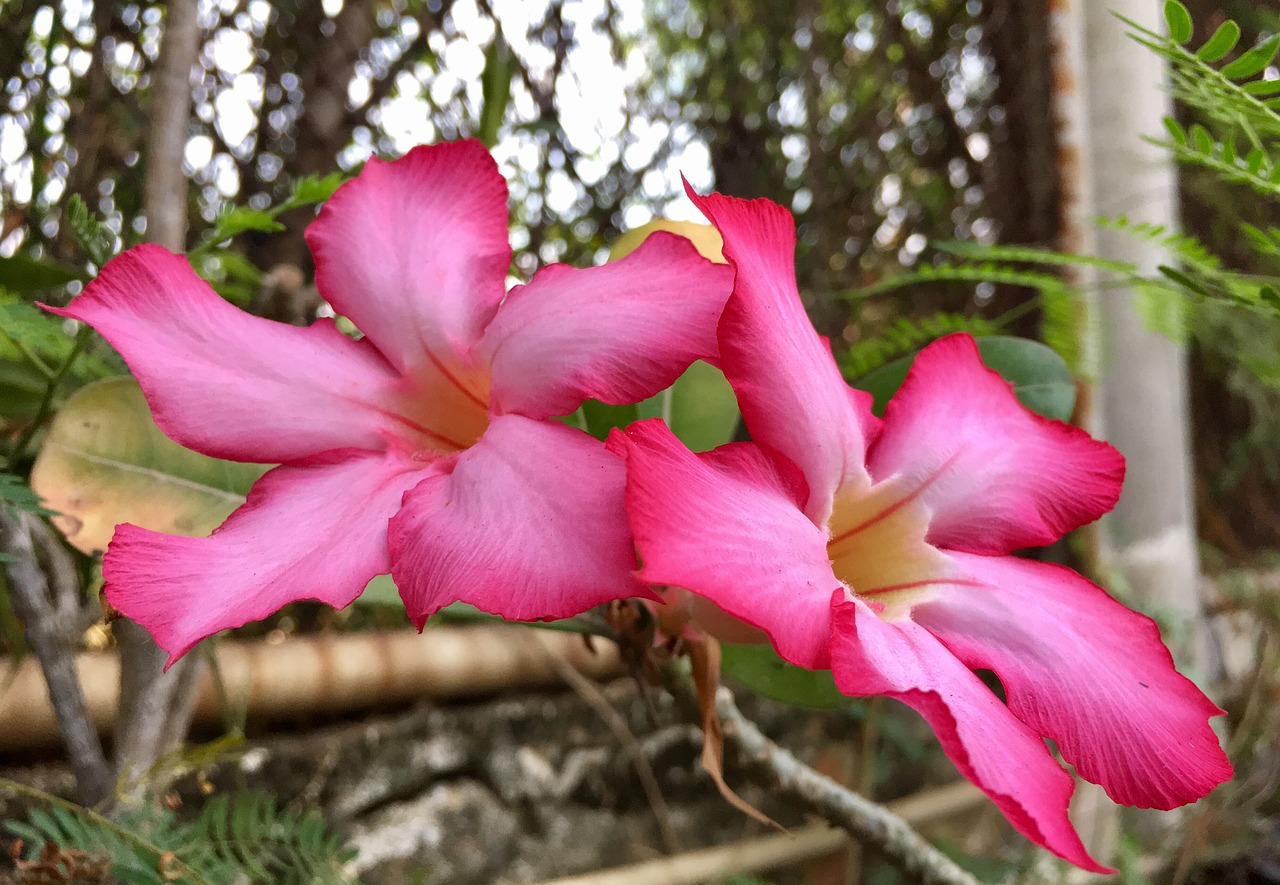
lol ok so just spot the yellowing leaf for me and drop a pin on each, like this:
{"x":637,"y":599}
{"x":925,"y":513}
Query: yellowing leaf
{"x":104,"y":461}
{"x":705,"y":238}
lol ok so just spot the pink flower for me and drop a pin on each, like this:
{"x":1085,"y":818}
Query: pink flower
{"x":425,"y":448}
{"x":881,"y":551}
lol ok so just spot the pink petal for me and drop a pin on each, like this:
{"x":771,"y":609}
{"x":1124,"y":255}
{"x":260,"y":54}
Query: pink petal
{"x":996,"y":476}
{"x":792,"y":396}
{"x":990,"y":747}
{"x":311,"y":530}
{"x":528,"y":525}
{"x":727,"y":525}
{"x":415,"y":251}
{"x":619,"y":333}
{"x":1084,"y":670}
{"x":229,"y":384}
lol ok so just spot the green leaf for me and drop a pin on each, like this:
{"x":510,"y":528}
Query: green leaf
{"x":495,"y":86}
{"x":1253,"y":61}
{"x":1262,"y":87}
{"x":760,"y":668}
{"x":1175,"y":130}
{"x":700,"y":408}
{"x":242,"y":219}
{"x":104,"y":461}
{"x":1182,"y":279}
{"x":94,"y":237}
{"x":602,"y":417}
{"x":1178,"y":20}
{"x":26,"y":276}
{"x":16,"y":495}
{"x":1163,"y":309}
{"x":312,"y":189}
{"x":1201,"y":139}
{"x":1223,"y":41}
{"x":1040,"y":377}
{"x":1255,"y":160}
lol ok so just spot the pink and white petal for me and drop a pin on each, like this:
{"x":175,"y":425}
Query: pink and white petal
{"x":1007,"y":760}
{"x":618,"y":333}
{"x":727,"y":525}
{"x":315,"y":529}
{"x":791,"y":393}
{"x":415,"y":251}
{"x":1080,"y":668}
{"x":229,"y":384}
{"x":528,"y":525}
{"x":996,"y":476}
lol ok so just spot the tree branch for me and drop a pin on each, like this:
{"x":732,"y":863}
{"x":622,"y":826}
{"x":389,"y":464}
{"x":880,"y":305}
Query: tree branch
{"x":155,"y":707}
{"x":870,"y":823}
{"x":44,"y":614}
{"x":164,"y":188}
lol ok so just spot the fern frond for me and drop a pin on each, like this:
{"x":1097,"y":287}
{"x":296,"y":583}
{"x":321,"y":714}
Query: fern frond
{"x":906,"y":336}
{"x":1182,"y":246}
{"x":1197,"y":147}
{"x":1060,"y":321}
{"x":1030,"y":255}
{"x":136,"y":846}
{"x":981,"y":272}
{"x":270,"y":844}
{"x":245,"y":838}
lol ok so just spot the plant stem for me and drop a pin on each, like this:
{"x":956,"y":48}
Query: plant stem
{"x":867,"y":821}
{"x":83,"y":334}
{"x":32,"y":602}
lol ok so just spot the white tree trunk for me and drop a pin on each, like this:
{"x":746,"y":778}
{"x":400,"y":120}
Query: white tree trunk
{"x":1108,"y":95}
{"x":1149,"y":542}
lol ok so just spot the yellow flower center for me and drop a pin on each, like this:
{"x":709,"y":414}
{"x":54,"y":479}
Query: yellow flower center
{"x":444,"y":408}
{"x":877,"y":544}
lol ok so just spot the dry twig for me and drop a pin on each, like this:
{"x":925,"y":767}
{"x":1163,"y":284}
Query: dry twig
{"x":591,"y":693}
{"x":867,"y":821}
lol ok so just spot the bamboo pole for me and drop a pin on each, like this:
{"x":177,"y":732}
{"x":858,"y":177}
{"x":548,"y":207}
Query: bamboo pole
{"x":321,"y":674}
{"x":774,"y":852}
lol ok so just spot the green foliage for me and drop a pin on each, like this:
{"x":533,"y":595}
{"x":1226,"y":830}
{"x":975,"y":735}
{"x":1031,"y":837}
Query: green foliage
{"x":234,"y":276}
{"x":1233,"y":98}
{"x":236,"y":220}
{"x":1199,"y":275}
{"x":1040,"y":377}
{"x":759,"y":667}
{"x":17,"y":496}
{"x":1179,"y":20}
{"x":311,"y":190}
{"x":95,"y":238}
{"x":27,"y":276}
{"x":40,"y":365}
{"x":979,"y":271}
{"x":244,"y":838}
{"x":28,"y":334}
{"x":495,"y":82}
{"x":268,"y":843}
{"x":906,"y":336}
